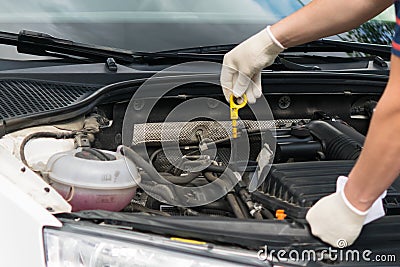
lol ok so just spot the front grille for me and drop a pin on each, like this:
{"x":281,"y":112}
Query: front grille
{"x":27,"y":97}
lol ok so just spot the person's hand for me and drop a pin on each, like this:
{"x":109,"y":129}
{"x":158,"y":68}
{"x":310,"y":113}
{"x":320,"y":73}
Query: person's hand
{"x":242,"y":66}
{"x":376,"y":211}
{"x":335,"y":221}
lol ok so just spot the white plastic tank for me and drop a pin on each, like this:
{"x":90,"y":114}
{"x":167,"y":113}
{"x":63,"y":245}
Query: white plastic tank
{"x":91,"y":179}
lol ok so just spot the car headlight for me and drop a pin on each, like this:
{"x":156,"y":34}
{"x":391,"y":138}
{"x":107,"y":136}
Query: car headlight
{"x":80,"y":246}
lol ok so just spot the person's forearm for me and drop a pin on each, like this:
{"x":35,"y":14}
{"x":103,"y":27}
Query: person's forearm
{"x":379,"y":162}
{"x":322,"y":18}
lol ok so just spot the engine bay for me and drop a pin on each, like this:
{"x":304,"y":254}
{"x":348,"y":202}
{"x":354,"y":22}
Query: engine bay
{"x":86,"y":159}
{"x":71,"y":135}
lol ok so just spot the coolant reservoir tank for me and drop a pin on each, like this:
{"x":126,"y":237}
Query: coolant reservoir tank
{"x":91,"y":179}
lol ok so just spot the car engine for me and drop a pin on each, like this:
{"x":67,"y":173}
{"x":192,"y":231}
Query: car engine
{"x":301,"y":167}
{"x":151,"y":163}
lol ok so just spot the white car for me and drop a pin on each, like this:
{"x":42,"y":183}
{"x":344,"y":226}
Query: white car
{"x":116,"y":144}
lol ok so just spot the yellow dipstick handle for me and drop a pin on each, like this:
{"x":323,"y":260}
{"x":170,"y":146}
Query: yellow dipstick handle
{"x":234,"y":106}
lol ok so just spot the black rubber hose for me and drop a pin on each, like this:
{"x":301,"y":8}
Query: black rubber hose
{"x":180,"y":180}
{"x":41,"y":135}
{"x":97,"y":153}
{"x":243,"y":208}
{"x":155,"y":154}
{"x":349,"y":131}
{"x":235,"y":206}
{"x":246,"y":198}
{"x":336,"y":144}
{"x":139,"y":161}
{"x":157,"y":185}
{"x":267,"y":214}
{"x":210,"y":176}
{"x":219,"y":169}
{"x":220,"y":204}
{"x":306,"y":150}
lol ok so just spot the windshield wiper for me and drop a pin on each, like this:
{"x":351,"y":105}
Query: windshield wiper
{"x":327,"y":45}
{"x":42,"y":44}
{"x":177,"y":57}
{"x":322,"y":45}
{"x":216,"y":52}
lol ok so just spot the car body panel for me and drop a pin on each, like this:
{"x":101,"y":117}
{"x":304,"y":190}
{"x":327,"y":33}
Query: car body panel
{"x":21,"y":227}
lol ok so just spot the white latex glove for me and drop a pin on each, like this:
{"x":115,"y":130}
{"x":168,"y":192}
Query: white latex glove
{"x":335,"y":221}
{"x":375,"y":212}
{"x":242,"y":66}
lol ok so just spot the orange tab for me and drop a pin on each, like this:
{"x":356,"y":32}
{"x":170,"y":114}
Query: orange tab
{"x":280,"y":214}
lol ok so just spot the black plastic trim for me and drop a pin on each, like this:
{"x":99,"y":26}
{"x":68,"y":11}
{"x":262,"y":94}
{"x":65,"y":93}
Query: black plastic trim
{"x":284,"y":79}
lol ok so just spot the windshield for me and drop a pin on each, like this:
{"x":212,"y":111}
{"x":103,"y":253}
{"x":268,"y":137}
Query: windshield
{"x":155,"y":25}
{"x":145,"y":25}
{"x":221,"y":11}
{"x":379,"y":30}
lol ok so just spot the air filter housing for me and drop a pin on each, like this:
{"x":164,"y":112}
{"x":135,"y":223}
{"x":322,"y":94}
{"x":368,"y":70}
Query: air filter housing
{"x":295,"y":187}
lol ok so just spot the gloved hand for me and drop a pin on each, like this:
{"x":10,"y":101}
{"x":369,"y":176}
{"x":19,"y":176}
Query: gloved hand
{"x":375,"y":212}
{"x":245,"y":62}
{"x":335,"y":221}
